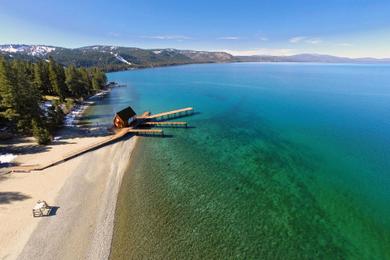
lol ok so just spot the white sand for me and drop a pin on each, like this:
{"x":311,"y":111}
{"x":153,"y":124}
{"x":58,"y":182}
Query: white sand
{"x":32,"y":154}
{"x":85,"y":190}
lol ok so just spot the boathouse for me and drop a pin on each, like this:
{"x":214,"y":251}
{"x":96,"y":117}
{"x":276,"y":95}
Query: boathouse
{"x":124,"y":117}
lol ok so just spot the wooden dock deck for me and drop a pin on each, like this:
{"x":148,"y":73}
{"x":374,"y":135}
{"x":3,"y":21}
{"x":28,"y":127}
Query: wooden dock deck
{"x":174,"y":124}
{"x":143,"y":120}
{"x":178,"y":112}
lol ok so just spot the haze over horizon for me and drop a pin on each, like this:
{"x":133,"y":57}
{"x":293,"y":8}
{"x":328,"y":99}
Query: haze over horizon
{"x":344,"y":28}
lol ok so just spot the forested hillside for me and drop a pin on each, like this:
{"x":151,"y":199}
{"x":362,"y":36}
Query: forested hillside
{"x":112,"y":58}
{"x":24,"y":86}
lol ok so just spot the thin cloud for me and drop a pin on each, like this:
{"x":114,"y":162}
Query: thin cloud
{"x":113,"y":34}
{"x":304,"y":39}
{"x":313,"y":41}
{"x":296,"y":39}
{"x":262,"y":51}
{"x":229,"y":38}
{"x":168,"y":37}
{"x":264,"y":39}
{"x":344,"y":44}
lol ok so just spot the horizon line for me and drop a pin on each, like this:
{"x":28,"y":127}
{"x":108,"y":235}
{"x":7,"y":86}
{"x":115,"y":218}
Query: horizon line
{"x":231,"y":52}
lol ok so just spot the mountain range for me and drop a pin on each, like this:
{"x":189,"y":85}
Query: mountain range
{"x":111,"y":58}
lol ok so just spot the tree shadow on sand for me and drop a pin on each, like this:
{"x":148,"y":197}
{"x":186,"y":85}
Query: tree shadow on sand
{"x":24,"y":149}
{"x":8,"y":164}
{"x":11,"y":196}
{"x":74,"y":132}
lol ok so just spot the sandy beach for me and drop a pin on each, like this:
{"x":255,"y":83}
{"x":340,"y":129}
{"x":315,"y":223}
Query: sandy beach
{"x":84,"y":192}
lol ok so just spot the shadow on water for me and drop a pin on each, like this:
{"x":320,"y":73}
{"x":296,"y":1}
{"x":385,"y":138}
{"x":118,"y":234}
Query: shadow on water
{"x":11,"y":196}
{"x":73,"y":132}
{"x":92,"y":117}
{"x":175,"y":126}
{"x":156,"y":136}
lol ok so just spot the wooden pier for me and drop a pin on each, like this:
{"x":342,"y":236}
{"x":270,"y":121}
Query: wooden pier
{"x":171,"y":114}
{"x":162,"y":124}
{"x":143,"y":120}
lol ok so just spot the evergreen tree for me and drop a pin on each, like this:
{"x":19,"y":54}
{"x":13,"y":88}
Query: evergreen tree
{"x":22,"y":85}
{"x":61,"y":78}
{"x":41,"y":78}
{"x":86,"y":79}
{"x":38,"y":80}
{"x":27,"y":100}
{"x":99,"y":79}
{"x":76,"y":86}
{"x":8,"y":90}
{"x":40,"y":133}
{"x":54,"y":117}
{"x":57,"y":79}
{"x":48,"y":89}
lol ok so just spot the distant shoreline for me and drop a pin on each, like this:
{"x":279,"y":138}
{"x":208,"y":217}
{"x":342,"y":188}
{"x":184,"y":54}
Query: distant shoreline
{"x":263,"y":62}
{"x":117,"y":58}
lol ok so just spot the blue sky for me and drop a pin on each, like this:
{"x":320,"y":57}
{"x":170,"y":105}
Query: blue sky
{"x":354,"y":28}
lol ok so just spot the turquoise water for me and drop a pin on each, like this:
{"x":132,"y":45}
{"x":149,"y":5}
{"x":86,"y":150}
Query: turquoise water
{"x":283,"y":161}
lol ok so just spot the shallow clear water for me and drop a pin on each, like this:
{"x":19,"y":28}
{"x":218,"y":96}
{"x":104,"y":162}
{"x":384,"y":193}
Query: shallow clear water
{"x":283,"y":160}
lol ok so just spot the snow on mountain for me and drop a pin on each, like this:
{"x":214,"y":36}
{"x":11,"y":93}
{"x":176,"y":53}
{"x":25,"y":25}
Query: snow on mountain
{"x":33,"y":50}
{"x":121,"y":59}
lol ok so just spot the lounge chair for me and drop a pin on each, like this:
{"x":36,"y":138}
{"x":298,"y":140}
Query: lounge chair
{"x":41,"y":209}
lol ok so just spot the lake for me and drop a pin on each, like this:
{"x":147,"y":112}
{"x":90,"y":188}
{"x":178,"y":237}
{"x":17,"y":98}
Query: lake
{"x":282,"y":160}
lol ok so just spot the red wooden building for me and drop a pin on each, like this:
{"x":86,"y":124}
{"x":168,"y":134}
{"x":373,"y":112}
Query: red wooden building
{"x":124,"y":117}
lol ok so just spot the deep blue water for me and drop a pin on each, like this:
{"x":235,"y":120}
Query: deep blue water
{"x":283,"y":160}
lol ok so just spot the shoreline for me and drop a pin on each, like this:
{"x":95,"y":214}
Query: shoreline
{"x":77,"y":112}
{"x":82,"y":227}
{"x":69,"y":132}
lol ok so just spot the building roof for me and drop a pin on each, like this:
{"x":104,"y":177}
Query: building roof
{"x":126,"y":113}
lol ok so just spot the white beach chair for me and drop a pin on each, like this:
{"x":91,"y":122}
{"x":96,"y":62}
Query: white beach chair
{"x":41,"y":209}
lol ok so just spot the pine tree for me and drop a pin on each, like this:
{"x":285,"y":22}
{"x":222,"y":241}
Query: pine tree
{"x":57,"y":79}
{"x":48,"y":89}
{"x":61,"y":79}
{"x":40,"y":133}
{"x":54,"y":117}
{"x":86,"y":79}
{"x":38,"y":80}
{"x":8,"y":90}
{"x":22,"y":85}
{"x":99,"y":79}
{"x":76,"y":86}
{"x":27,"y":100}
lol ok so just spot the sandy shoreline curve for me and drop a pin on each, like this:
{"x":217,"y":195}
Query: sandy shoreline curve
{"x":85,"y":191}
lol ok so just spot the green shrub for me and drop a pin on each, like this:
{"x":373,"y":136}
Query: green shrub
{"x":40,"y":133}
{"x":54,"y":118}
